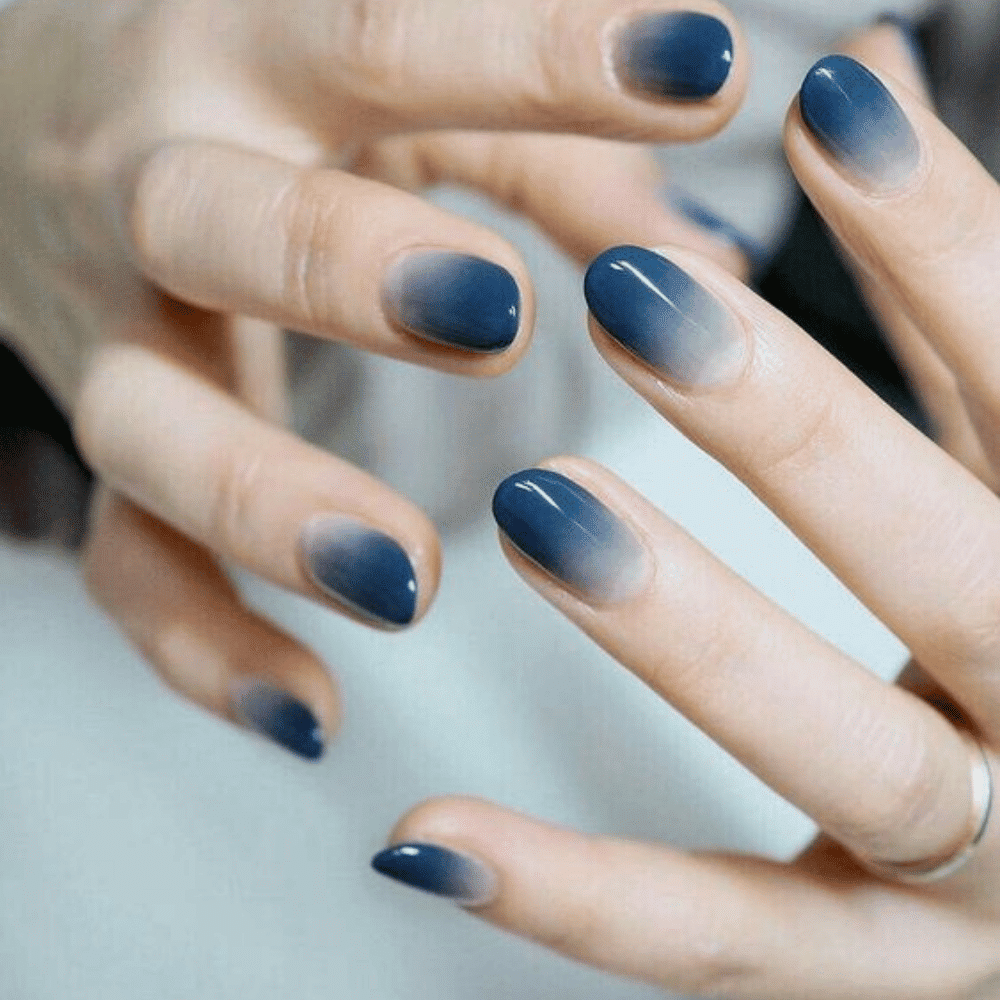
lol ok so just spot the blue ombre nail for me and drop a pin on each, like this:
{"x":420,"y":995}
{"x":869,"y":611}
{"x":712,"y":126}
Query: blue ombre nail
{"x":279,"y":716}
{"x":569,"y":533}
{"x":858,"y":121}
{"x":438,"y":870}
{"x":364,"y":569}
{"x":702,"y":216}
{"x":454,"y":299}
{"x":681,"y":55}
{"x":663,"y":317}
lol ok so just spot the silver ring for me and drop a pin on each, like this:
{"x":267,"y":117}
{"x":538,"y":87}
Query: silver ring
{"x":942,"y":865}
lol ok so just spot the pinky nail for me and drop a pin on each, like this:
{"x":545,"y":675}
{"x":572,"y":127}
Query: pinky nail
{"x":280,"y":717}
{"x":438,"y":870}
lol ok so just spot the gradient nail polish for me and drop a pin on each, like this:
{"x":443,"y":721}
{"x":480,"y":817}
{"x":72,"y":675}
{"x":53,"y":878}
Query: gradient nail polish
{"x":438,"y":870}
{"x":277,"y":715}
{"x":363,"y":568}
{"x":702,"y":216}
{"x":663,"y":317}
{"x":858,"y":122}
{"x":567,"y":531}
{"x":681,"y":55}
{"x":454,"y":299}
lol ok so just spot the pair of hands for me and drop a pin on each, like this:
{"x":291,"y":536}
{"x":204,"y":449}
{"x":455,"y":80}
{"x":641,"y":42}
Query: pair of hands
{"x":189,"y":178}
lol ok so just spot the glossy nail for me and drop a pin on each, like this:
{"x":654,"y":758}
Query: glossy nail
{"x":280,"y":717}
{"x":665,"y":318}
{"x":702,"y":216}
{"x":570,"y":534}
{"x":454,"y":299}
{"x":438,"y":870}
{"x":364,"y":569}
{"x":680,"y":54}
{"x":854,"y":117}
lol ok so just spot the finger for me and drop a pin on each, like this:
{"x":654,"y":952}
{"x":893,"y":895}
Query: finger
{"x":327,"y":253}
{"x":252,"y":493}
{"x":667,"y":71}
{"x":585,"y":193}
{"x":908,"y":530}
{"x":698,"y":925}
{"x":915,"y":208}
{"x":801,"y":715}
{"x":178,"y":608}
{"x":891,"y":47}
{"x":259,"y":368}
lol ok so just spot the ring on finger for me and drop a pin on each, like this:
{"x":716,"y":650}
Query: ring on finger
{"x":942,"y":865}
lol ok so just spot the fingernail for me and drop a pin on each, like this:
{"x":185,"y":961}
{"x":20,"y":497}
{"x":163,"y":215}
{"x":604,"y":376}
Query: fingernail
{"x":570,"y":534}
{"x":702,"y":216}
{"x":858,"y":122}
{"x":438,"y":870}
{"x":280,"y":717}
{"x":908,"y":30}
{"x":681,"y":55}
{"x":665,"y":318}
{"x":364,"y":569}
{"x":454,"y":299}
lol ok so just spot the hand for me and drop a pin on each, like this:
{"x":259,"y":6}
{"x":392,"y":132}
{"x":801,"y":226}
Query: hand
{"x":182,"y":180}
{"x":885,"y":770}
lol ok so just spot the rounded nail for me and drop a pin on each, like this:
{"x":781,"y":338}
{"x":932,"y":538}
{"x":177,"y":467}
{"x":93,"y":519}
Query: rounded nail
{"x":364,"y":569}
{"x":274,"y":713}
{"x":570,"y":534}
{"x":662,"y":316}
{"x":682,"y":55}
{"x":454,"y":299}
{"x":438,"y":870}
{"x":855,"y":118}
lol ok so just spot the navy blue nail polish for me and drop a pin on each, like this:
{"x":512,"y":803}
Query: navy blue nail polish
{"x":567,"y":531}
{"x":437,"y":870}
{"x":280,"y":717}
{"x":362,"y":568}
{"x":680,"y":55}
{"x":909,"y":32}
{"x":663,"y":317}
{"x":858,"y":121}
{"x":701,"y":215}
{"x":455,"y":299}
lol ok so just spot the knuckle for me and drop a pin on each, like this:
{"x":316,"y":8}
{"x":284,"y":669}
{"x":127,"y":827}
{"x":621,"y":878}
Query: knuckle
{"x":230,"y":519}
{"x":308,"y":212}
{"x":158,"y":185}
{"x":903,"y":802}
{"x":94,"y":412}
{"x":793,"y":446}
{"x":719,"y":961}
{"x":373,"y":42}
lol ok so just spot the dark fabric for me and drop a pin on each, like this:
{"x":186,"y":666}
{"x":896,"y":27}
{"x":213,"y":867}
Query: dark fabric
{"x":45,"y":485}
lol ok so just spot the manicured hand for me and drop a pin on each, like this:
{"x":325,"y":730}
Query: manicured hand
{"x":896,"y":776}
{"x":179,"y":181}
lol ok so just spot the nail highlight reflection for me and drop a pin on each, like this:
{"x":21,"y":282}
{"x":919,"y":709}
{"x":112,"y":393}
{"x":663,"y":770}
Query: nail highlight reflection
{"x":438,"y":870}
{"x":664,"y":317}
{"x":454,"y":299}
{"x":680,"y":54}
{"x":570,"y":534}
{"x":364,"y":569}
{"x":280,"y":717}
{"x":854,"y":117}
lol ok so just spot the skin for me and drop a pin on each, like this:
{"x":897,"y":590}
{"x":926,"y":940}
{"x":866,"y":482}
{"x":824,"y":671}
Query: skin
{"x":187,"y":178}
{"x":880,"y":767}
